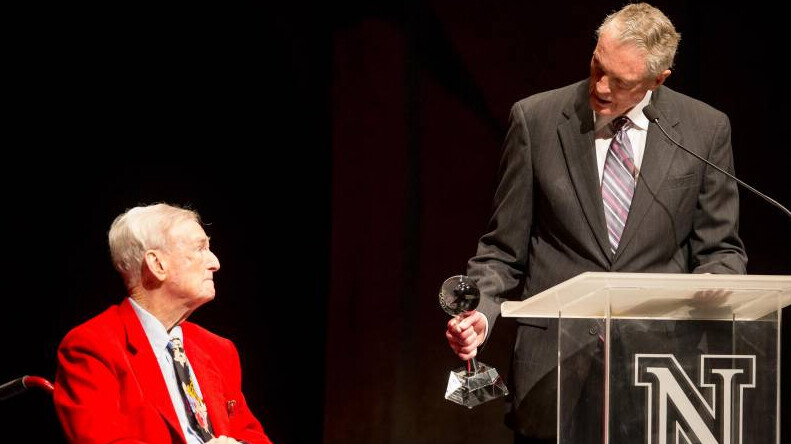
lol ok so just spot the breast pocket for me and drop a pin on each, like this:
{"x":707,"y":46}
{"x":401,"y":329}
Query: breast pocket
{"x":685,"y":181}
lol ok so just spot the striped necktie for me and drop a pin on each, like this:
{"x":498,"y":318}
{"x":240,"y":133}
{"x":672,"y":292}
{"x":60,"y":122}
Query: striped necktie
{"x":193,"y":402}
{"x":618,"y":181}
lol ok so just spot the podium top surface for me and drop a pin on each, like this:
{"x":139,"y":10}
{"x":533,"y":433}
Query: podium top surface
{"x":658,"y":296}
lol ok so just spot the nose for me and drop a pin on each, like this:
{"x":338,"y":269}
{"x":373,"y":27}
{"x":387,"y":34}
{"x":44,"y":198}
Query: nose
{"x":214,"y":262}
{"x":603,"y":85}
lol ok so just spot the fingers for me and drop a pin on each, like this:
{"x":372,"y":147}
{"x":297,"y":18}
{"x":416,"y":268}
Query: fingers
{"x":464,"y":344}
{"x":461,"y":336}
{"x":465,"y":333}
{"x":453,"y":325}
{"x":465,"y":320}
{"x":468,"y":341}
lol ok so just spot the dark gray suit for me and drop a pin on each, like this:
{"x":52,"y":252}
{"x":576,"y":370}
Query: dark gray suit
{"x":548,"y":219}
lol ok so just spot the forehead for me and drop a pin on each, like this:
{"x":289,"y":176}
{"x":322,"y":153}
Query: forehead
{"x":187,"y":231}
{"x":623,"y":60}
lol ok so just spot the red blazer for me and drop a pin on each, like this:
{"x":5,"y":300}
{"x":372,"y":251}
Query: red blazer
{"x":109,"y":387}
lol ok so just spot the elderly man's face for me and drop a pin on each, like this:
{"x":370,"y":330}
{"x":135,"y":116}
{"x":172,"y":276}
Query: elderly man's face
{"x":190,"y":264}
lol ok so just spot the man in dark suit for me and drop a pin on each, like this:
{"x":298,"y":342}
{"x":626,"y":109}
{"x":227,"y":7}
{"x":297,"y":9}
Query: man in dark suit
{"x":550,"y":218}
{"x":139,"y":371}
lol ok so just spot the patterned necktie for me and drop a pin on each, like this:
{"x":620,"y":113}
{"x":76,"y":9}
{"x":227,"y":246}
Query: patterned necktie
{"x":193,"y":402}
{"x":618,"y":181}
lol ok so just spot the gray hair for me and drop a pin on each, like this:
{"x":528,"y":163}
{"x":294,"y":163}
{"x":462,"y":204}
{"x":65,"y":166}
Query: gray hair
{"x":647,"y":28}
{"x":140,"y":229}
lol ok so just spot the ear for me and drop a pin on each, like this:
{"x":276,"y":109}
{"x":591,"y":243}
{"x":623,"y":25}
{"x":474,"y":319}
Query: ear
{"x":660,"y":79}
{"x":155,"y":262}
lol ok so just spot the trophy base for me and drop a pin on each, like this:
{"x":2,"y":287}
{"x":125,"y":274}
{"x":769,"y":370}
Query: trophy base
{"x":470,"y":390}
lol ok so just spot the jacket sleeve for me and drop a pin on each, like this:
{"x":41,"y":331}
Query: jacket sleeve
{"x":498,"y":267}
{"x":715,"y":243}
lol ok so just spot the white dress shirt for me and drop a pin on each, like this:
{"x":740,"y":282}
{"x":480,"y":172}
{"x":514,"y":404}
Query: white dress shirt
{"x":637,"y":132}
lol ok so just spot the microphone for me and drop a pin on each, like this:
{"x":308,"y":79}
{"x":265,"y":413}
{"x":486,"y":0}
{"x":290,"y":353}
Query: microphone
{"x":22,"y":384}
{"x":653,"y":116}
{"x":12,"y":388}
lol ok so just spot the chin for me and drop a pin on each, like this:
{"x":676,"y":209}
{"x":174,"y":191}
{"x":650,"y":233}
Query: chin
{"x":205,"y":298}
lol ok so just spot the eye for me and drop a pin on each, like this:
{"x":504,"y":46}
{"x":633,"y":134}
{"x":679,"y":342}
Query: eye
{"x":626,"y":85}
{"x":203,"y":246}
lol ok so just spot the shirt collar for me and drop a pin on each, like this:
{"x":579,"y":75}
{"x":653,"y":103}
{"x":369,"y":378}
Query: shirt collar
{"x":158,"y":337}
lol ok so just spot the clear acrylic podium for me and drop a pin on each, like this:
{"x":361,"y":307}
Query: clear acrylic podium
{"x":665,"y":358}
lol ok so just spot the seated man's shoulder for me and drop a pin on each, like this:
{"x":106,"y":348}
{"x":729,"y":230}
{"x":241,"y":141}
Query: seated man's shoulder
{"x":102,"y":327}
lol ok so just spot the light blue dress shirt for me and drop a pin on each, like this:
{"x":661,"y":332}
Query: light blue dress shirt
{"x":158,"y":337}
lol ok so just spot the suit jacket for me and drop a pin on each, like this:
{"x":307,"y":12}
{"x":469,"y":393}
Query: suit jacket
{"x":548,"y":218}
{"x":109,"y":386}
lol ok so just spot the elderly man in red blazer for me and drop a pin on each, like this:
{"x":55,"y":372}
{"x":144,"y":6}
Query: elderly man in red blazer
{"x":116,"y":380}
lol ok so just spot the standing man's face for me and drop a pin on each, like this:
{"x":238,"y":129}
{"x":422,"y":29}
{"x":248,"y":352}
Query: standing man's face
{"x":619,"y":78}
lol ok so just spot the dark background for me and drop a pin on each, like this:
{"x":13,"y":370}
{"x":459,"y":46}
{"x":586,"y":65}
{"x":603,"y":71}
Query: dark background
{"x":344,"y":157}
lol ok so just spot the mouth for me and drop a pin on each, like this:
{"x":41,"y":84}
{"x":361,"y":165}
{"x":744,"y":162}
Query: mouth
{"x":599,"y":100}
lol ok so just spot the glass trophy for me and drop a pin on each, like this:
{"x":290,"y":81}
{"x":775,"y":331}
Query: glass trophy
{"x":476,"y":382}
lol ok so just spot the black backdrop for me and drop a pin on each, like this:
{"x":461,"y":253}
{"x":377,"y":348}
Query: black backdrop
{"x":344,"y":157}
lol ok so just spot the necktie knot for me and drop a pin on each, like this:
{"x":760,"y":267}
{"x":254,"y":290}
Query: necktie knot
{"x":176,"y":349}
{"x":619,"y":123}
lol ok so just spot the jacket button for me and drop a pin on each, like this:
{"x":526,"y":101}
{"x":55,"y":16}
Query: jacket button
{"x":592,"y":331}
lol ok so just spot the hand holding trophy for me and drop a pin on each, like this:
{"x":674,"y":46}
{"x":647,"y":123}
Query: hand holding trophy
{"x":475,"y":383}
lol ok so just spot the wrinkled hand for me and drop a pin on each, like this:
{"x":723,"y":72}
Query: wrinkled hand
{"x":465,"y":333}
{"x":222,"y":439}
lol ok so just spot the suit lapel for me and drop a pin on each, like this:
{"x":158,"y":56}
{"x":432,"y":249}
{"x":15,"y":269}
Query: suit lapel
{"x":209,"y":377}
{"x":577,"y":140}
{"x":146,"y":367}
{"x":657,"y":158}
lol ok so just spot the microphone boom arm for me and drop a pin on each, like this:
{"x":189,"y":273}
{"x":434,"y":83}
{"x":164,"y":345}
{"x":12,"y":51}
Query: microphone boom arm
{"x":651,"y":114}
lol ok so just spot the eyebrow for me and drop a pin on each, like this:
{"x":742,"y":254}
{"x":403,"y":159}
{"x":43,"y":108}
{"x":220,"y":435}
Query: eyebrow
{"x":201,"y":241}
{"x":626,"y":83}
